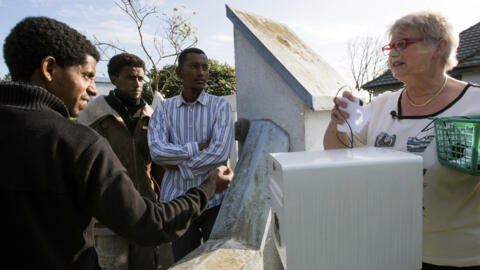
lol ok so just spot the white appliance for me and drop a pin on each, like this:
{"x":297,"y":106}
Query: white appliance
{"x":347,"y":209}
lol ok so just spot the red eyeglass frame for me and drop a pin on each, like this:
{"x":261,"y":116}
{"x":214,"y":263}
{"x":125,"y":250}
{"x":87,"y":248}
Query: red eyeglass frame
{"x":392,"y":46}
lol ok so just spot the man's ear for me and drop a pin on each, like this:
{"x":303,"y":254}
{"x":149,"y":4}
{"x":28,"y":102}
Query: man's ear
{"x":178,"y":71}
{"x":48,"y":68}
{"x":113,"y":79}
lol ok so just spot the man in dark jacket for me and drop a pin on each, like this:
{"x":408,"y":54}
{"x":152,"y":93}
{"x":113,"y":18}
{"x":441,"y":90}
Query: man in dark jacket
{"x":122,"y":118}
{"x":57,"y":174}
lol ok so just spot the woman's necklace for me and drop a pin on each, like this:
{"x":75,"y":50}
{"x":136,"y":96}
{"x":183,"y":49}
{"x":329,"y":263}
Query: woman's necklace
{"x":430,"y":99}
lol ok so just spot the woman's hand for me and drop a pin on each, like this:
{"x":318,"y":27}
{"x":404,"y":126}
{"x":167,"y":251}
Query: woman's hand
{"x":332,"y":137}
{"x":336,"y":115}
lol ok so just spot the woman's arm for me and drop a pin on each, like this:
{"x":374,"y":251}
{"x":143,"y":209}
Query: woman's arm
{"x":332,"y":137}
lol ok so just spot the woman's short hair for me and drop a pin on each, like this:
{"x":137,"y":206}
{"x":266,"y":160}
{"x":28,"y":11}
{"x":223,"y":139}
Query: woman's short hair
{"x":434,"y":27}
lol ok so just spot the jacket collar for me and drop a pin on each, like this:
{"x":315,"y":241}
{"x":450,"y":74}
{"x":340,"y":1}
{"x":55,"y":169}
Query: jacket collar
{"x":202,"y":99}
{"x":31,"y":97}
{"x":99,"y":108}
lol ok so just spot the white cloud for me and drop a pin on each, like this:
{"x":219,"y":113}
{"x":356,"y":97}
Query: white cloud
{"x":121,"y":31}
{"x":152,"y":2}
{"x":222,"y":38}
{"x":37,"y":3}
{"x":122,"y":34}
{"x":217,"y":42}
{"x":108,"y":25}
{"x":88,"y":12}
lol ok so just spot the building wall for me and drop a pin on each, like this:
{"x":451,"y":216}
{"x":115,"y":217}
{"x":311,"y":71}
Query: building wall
{"x":315,"y":125}
{"x":103,"y":85}
{"x":232,"y":99}
{"x":263,"y":94}
{"x":104,"y":88}
{"x":472,"y":76}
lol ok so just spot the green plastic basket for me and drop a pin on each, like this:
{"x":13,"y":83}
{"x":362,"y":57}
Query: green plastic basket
{"x":457,"y":143}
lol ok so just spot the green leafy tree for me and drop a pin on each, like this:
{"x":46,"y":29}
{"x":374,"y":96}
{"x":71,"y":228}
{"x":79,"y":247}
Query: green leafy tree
{"x":221,"y":81}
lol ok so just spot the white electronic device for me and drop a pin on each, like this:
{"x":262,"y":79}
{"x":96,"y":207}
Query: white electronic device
{"x":359,"y":115}
{"x":347,"y":209}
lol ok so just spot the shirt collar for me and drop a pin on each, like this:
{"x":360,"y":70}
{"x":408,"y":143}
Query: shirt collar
{"x":202,"y":99}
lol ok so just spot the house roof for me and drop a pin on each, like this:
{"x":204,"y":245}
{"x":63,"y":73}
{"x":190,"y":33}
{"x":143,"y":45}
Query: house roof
{"x":469,"y":48}
{"x":468,"y":55}
{"x":298,"y":65}
{"x":385,"y":79}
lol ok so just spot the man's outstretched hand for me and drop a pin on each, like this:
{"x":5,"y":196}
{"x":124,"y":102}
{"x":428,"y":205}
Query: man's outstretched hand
{"x":222,"y":176}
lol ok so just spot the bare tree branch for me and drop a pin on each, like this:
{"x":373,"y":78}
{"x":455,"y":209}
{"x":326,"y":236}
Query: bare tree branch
{"x":177,"y":29}
{"x":366,"y":59}
{"x":103,"y":47}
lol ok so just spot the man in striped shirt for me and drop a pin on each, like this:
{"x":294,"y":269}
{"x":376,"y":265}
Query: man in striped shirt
{"x":190,"y":135}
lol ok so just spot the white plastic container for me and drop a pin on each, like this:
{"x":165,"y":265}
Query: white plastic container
{"x":347,"y":209}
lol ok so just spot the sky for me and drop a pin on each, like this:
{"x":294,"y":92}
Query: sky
{"x":326,"y":26}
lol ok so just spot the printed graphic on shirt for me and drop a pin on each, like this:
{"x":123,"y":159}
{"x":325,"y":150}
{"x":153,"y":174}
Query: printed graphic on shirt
{"x":385,"y":140}
{"x":422,"y":140}
{"x":415,"y":144}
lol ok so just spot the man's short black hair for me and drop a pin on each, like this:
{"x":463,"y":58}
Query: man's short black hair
{"x":119,"y":61}
{"x":183,"y":55}
{"x":35,"y":38}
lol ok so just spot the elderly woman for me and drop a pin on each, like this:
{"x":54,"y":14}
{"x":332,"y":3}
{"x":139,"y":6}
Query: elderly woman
{"x":422,"y":48}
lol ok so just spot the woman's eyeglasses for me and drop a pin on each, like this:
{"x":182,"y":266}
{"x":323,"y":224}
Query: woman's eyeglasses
{"x":400,"y":45}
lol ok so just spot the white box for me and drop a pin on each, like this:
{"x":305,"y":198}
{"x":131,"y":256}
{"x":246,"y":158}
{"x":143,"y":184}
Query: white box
{"x":347,"y":209}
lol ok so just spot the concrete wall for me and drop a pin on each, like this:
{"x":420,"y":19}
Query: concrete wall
{"x":263,"y":94}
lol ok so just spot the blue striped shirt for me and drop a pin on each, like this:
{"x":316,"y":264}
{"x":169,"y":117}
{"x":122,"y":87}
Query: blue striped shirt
{"x":174,"y":132}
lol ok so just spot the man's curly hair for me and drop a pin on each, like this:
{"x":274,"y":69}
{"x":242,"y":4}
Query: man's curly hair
{"x":35,"y":38}
{"x":119,"y":61}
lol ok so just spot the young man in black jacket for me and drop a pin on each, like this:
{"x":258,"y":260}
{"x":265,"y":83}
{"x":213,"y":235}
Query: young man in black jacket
{"x":56,"y":174}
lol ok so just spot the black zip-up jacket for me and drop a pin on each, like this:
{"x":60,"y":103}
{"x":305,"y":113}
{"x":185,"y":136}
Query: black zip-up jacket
{"x":56,"y":175}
